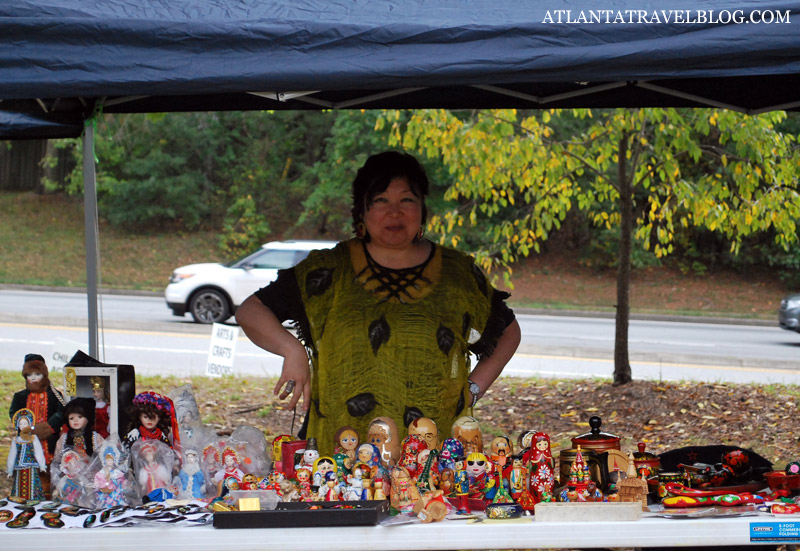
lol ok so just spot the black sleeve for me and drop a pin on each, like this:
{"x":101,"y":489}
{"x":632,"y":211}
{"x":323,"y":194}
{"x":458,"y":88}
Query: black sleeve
{"x":500,"y":317}
{"x":282,"y":296}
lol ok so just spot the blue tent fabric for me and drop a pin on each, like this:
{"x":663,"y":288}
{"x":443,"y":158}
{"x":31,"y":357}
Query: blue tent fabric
{"x":60,"y":56}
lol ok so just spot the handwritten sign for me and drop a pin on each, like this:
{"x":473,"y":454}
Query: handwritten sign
{"x":62,"y":352}
{"x":222,"y":350}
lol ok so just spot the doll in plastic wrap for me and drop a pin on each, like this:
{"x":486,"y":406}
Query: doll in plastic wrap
{"x":71,"y":481}
{"x":329,"y":490}
{"x":251,"y":445}
{"x":79,"y":436}
{"x":152,"y":417}
{"x":230,"y":467}
{"x":153,"y":462}
{"x":110,"y":481}
{"x":102,"y":398}
{"x":190,"y":481}
{"x":25,"y":459}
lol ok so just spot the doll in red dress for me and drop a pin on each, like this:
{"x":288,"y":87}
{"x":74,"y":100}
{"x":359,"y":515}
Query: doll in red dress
{"x":101,"y":399}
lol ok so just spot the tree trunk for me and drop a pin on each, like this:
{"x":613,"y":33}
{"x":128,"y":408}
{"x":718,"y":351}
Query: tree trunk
{"x":622,"y":366}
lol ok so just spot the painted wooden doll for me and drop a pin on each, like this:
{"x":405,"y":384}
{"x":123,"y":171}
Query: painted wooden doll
{"x":25,"y":459}
{"x":346,"y":441}
{"x":542,"y":473}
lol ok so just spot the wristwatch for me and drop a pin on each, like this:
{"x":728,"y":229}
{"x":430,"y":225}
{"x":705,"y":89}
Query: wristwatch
{"x":474,"y":389}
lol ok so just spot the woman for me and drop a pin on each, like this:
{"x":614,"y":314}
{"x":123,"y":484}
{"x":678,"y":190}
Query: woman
{"x":388,"y":318}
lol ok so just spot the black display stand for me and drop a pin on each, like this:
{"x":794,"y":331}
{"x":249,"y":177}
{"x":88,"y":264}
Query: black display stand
{"x":307,"y":514}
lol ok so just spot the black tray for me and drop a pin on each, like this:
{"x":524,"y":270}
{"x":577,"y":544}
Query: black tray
{"x":301,"y":515}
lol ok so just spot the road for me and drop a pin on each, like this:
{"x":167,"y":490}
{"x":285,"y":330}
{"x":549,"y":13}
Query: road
{"x":141,"y":331}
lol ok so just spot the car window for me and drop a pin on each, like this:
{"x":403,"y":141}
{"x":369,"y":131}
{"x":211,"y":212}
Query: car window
{"x":274,"y":259}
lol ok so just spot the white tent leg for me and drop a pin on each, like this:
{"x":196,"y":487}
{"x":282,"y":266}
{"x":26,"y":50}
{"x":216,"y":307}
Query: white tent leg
{"x":92,"y":247}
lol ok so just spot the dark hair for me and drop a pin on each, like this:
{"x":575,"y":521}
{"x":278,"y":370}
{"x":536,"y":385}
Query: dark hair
{"x":136,"y":410}
{"x":86,"y":408}
{"x":376,"y":175}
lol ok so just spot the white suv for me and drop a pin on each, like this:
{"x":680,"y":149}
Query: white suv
{"x":212,"y":292}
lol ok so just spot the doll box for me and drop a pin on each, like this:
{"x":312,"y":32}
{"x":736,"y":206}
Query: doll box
{"x":118,"y":380}
{"x":307,"y":514}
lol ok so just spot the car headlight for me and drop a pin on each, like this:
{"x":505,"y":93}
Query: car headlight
{"x":176,"y":278}
{"x":792,"y":303}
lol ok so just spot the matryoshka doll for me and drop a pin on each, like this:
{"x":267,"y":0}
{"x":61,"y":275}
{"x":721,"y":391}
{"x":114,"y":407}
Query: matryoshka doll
{"x":412,"y":446}
{"x":346,"y":441}
{"x":541,"y":466}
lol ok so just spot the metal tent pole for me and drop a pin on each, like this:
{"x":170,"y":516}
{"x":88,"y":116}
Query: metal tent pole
{"x":92,"y":248}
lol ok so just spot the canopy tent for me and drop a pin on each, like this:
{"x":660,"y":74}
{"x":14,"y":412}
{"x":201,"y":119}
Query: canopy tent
{"x":60,"y":60}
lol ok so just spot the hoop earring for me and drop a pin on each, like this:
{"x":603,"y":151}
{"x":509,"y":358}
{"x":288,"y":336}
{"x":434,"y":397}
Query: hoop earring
{"x":361,"y":230}
{"x":420,"y":233}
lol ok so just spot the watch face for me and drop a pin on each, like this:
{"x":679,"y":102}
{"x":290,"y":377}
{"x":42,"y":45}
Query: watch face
{"x":474,"y":388}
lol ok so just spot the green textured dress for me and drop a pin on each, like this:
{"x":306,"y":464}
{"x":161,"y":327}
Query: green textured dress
{"x":387,"y":342}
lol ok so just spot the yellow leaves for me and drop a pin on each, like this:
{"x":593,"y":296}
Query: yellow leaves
{"x":724,"y":160}
{"x":572,"y":413}
{"x":713,"y":118}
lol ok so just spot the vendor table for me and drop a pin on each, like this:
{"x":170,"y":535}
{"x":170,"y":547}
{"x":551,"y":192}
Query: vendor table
{"x":488,"y":534}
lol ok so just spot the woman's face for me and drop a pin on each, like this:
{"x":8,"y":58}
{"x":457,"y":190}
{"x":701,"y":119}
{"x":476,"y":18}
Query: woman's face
{"x":76,"y":421}
{"x":394,"y":216}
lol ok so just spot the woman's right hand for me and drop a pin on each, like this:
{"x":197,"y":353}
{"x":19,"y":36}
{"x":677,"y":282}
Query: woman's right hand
{"x":295,"y":378}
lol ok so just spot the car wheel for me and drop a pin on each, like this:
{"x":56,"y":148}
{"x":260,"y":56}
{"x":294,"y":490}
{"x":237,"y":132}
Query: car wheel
{"x":209,"y":306}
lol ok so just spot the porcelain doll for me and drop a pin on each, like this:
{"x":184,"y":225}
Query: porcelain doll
{"x":153,"y":418}
{"x":382,"y":433}
{"x":212,"y":463}
{"x":411,"y":447}
{"x":71,"y":482}
{"x":44,"y":401}
{"x":354,"y":490}
{"x":426,"y":429}
{"x":191,"y":482}
{"x":346,"y":441}
{"x":110,"y":480}
{"x":152,"y":466}
{"x":467,"y":430}
{"x":452,"y":451}
{"x":230,"y":467}
{"x":542,"y":467}
{"x":25,"y":459}
{"x":79,"y":414}
{"x":102,"y":398}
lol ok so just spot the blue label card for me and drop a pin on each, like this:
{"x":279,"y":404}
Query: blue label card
{"x":781,"y":531}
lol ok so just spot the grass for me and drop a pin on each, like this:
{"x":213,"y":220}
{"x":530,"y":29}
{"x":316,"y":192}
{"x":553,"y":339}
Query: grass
{"x":49,"y":247}
{"x":48,"y":236}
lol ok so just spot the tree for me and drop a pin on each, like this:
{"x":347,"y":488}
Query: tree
{"x":644,"y":172}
